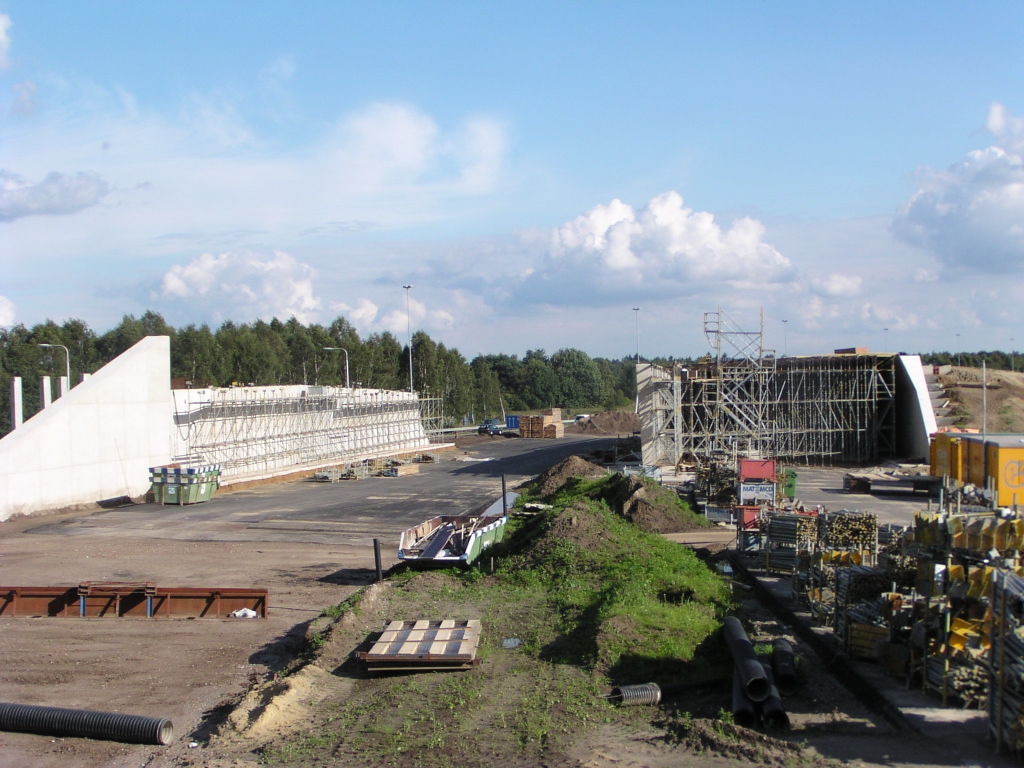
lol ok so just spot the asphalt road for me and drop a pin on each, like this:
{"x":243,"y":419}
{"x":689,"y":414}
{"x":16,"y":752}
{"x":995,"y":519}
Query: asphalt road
{"x":348,"y":513}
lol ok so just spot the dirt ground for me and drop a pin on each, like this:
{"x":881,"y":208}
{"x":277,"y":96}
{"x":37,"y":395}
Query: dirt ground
{"x":191,"y":671}
{"x":1004,"y":395}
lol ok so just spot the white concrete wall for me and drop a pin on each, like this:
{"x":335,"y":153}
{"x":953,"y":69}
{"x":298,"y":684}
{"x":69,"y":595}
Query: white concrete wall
{"x":915,"y":417}
{"x":98,"y":442}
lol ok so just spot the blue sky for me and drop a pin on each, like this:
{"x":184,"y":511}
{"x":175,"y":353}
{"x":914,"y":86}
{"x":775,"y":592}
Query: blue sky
{"x":533,"y":171}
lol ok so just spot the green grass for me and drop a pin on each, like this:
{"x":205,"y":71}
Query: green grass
{"x":595,"y":602}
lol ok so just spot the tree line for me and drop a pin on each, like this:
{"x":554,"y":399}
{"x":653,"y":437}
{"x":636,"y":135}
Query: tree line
{"x":288,"y":352}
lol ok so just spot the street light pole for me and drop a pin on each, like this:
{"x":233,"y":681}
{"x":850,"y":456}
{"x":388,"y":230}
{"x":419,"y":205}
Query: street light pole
{"x":341,"y":349}
{"x":1012,"y":361}
{"x":886,"y":331}
{"x":67,"y":359}
{"x":785,"y":338}
{"x":636,"y":320}
{"x":408,"y":328}
{"x":958,"y":351}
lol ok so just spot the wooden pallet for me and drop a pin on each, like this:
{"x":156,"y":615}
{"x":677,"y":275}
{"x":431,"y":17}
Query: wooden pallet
{"x":425,"y":644}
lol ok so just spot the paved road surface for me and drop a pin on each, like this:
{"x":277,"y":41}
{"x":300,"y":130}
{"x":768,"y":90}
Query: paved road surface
{"x":346,"y":513}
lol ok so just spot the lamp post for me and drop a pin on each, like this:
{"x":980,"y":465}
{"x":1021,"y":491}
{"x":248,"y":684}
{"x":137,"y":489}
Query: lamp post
{"x":785,"y":338}
{"x":341,"y":349}
{"x":1012,"y":361}
{"x":958,"y":350}
{"x":636,"y":320}
{"x":408,"y":329}
{"x":67,"y":359}
{"x":886,"y":332}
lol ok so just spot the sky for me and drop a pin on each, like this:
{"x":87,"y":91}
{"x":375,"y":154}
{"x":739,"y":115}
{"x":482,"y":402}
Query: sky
{"x":851,"y":172}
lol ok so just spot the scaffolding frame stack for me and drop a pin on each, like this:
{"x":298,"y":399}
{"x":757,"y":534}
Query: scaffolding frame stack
{"x":255,"y":432}
{"x":742,"y":401}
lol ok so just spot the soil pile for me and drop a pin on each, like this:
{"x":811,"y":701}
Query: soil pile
{"x":1004,"y":399}
{"x":607,"y":423}
{"x":551,"y":481}
{"x":649,"y":506}
{"x":702,"y":735}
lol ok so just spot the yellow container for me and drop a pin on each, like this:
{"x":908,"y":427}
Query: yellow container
{"x":1006,"y":467}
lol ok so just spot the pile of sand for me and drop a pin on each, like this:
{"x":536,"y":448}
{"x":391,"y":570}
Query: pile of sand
{"x":607,"y":423}
{"x":551,"y":480}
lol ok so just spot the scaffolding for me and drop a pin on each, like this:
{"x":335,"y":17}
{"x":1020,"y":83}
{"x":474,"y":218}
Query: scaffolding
{"x":263,"y":431}
{"x":742,"y":401}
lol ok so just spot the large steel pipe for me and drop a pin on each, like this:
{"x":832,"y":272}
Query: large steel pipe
{"x":743,"y":712}
{"x":772,"y":711}
{"x":784,"y":667}
{"x":55,"y":721}
{"x":755,"y":682}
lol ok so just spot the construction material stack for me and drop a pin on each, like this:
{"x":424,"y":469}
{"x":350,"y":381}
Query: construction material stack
{"x":548,"y":424}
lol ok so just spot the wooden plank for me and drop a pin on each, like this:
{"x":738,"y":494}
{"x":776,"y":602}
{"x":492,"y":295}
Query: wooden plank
{"x":421,"y":624}
{"x":447,"y":623}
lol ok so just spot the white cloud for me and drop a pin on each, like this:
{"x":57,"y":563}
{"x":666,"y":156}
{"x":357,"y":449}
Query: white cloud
{"x":971,"y":215}
{"x":58,"y":193}
{"x":922,"y":275}
{"x":240,"y":286}
{"x":7,"y":310}
{"x":364,"y":314}
{"x":5,"y":40}
{"x":838,"y":285}
{"x":662,"y":248}
{"x":24,"y":98}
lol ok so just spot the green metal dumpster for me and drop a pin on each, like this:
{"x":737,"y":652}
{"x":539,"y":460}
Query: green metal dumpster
{"x":184,"y":485}
{"x":789,"y":483}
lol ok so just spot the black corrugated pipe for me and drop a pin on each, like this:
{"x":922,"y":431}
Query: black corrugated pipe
{"x":755,"y":682}
{"x":55,"y":721}
{"x":784,"y":667}
{"x":772,"y":711}
{"x":743,"y":712}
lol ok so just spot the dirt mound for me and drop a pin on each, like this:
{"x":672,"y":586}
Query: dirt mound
{"x":551,"y":481}
{"x":703,"y":735}
{"x":650,"y":507}
{"x":607,"y":423}
{"x":578,"y":525}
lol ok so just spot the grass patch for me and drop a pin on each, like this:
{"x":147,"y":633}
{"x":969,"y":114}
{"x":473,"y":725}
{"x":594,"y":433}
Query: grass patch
{"x":594,"y":601}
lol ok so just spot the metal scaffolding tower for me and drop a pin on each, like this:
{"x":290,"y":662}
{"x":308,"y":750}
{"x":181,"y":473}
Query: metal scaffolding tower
{"x":742,"y":401}
{"x":261,"y":431}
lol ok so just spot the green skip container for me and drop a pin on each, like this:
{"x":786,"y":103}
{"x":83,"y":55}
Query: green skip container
{"x":184,"y":485}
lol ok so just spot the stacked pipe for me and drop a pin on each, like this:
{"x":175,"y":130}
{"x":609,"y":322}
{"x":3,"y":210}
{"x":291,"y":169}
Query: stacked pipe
{"x":755,"y":695}
{"x":750,"y":683}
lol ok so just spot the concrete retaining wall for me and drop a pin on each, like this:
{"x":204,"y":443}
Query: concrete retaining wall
{"x":97,"y":442}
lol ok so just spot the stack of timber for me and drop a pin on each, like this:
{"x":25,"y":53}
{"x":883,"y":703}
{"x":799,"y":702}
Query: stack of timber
{"x":425,"y":645}
{"x":548,"y":424}
{"x":968,"y":682}
{"x":848,"y":530}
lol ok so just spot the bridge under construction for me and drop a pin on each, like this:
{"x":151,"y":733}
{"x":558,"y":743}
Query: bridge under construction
{"x":741,"y":400}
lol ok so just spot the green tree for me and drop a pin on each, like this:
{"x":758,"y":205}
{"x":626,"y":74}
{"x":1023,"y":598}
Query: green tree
{"x":579,"y":379}
{"x":197,"y":357}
